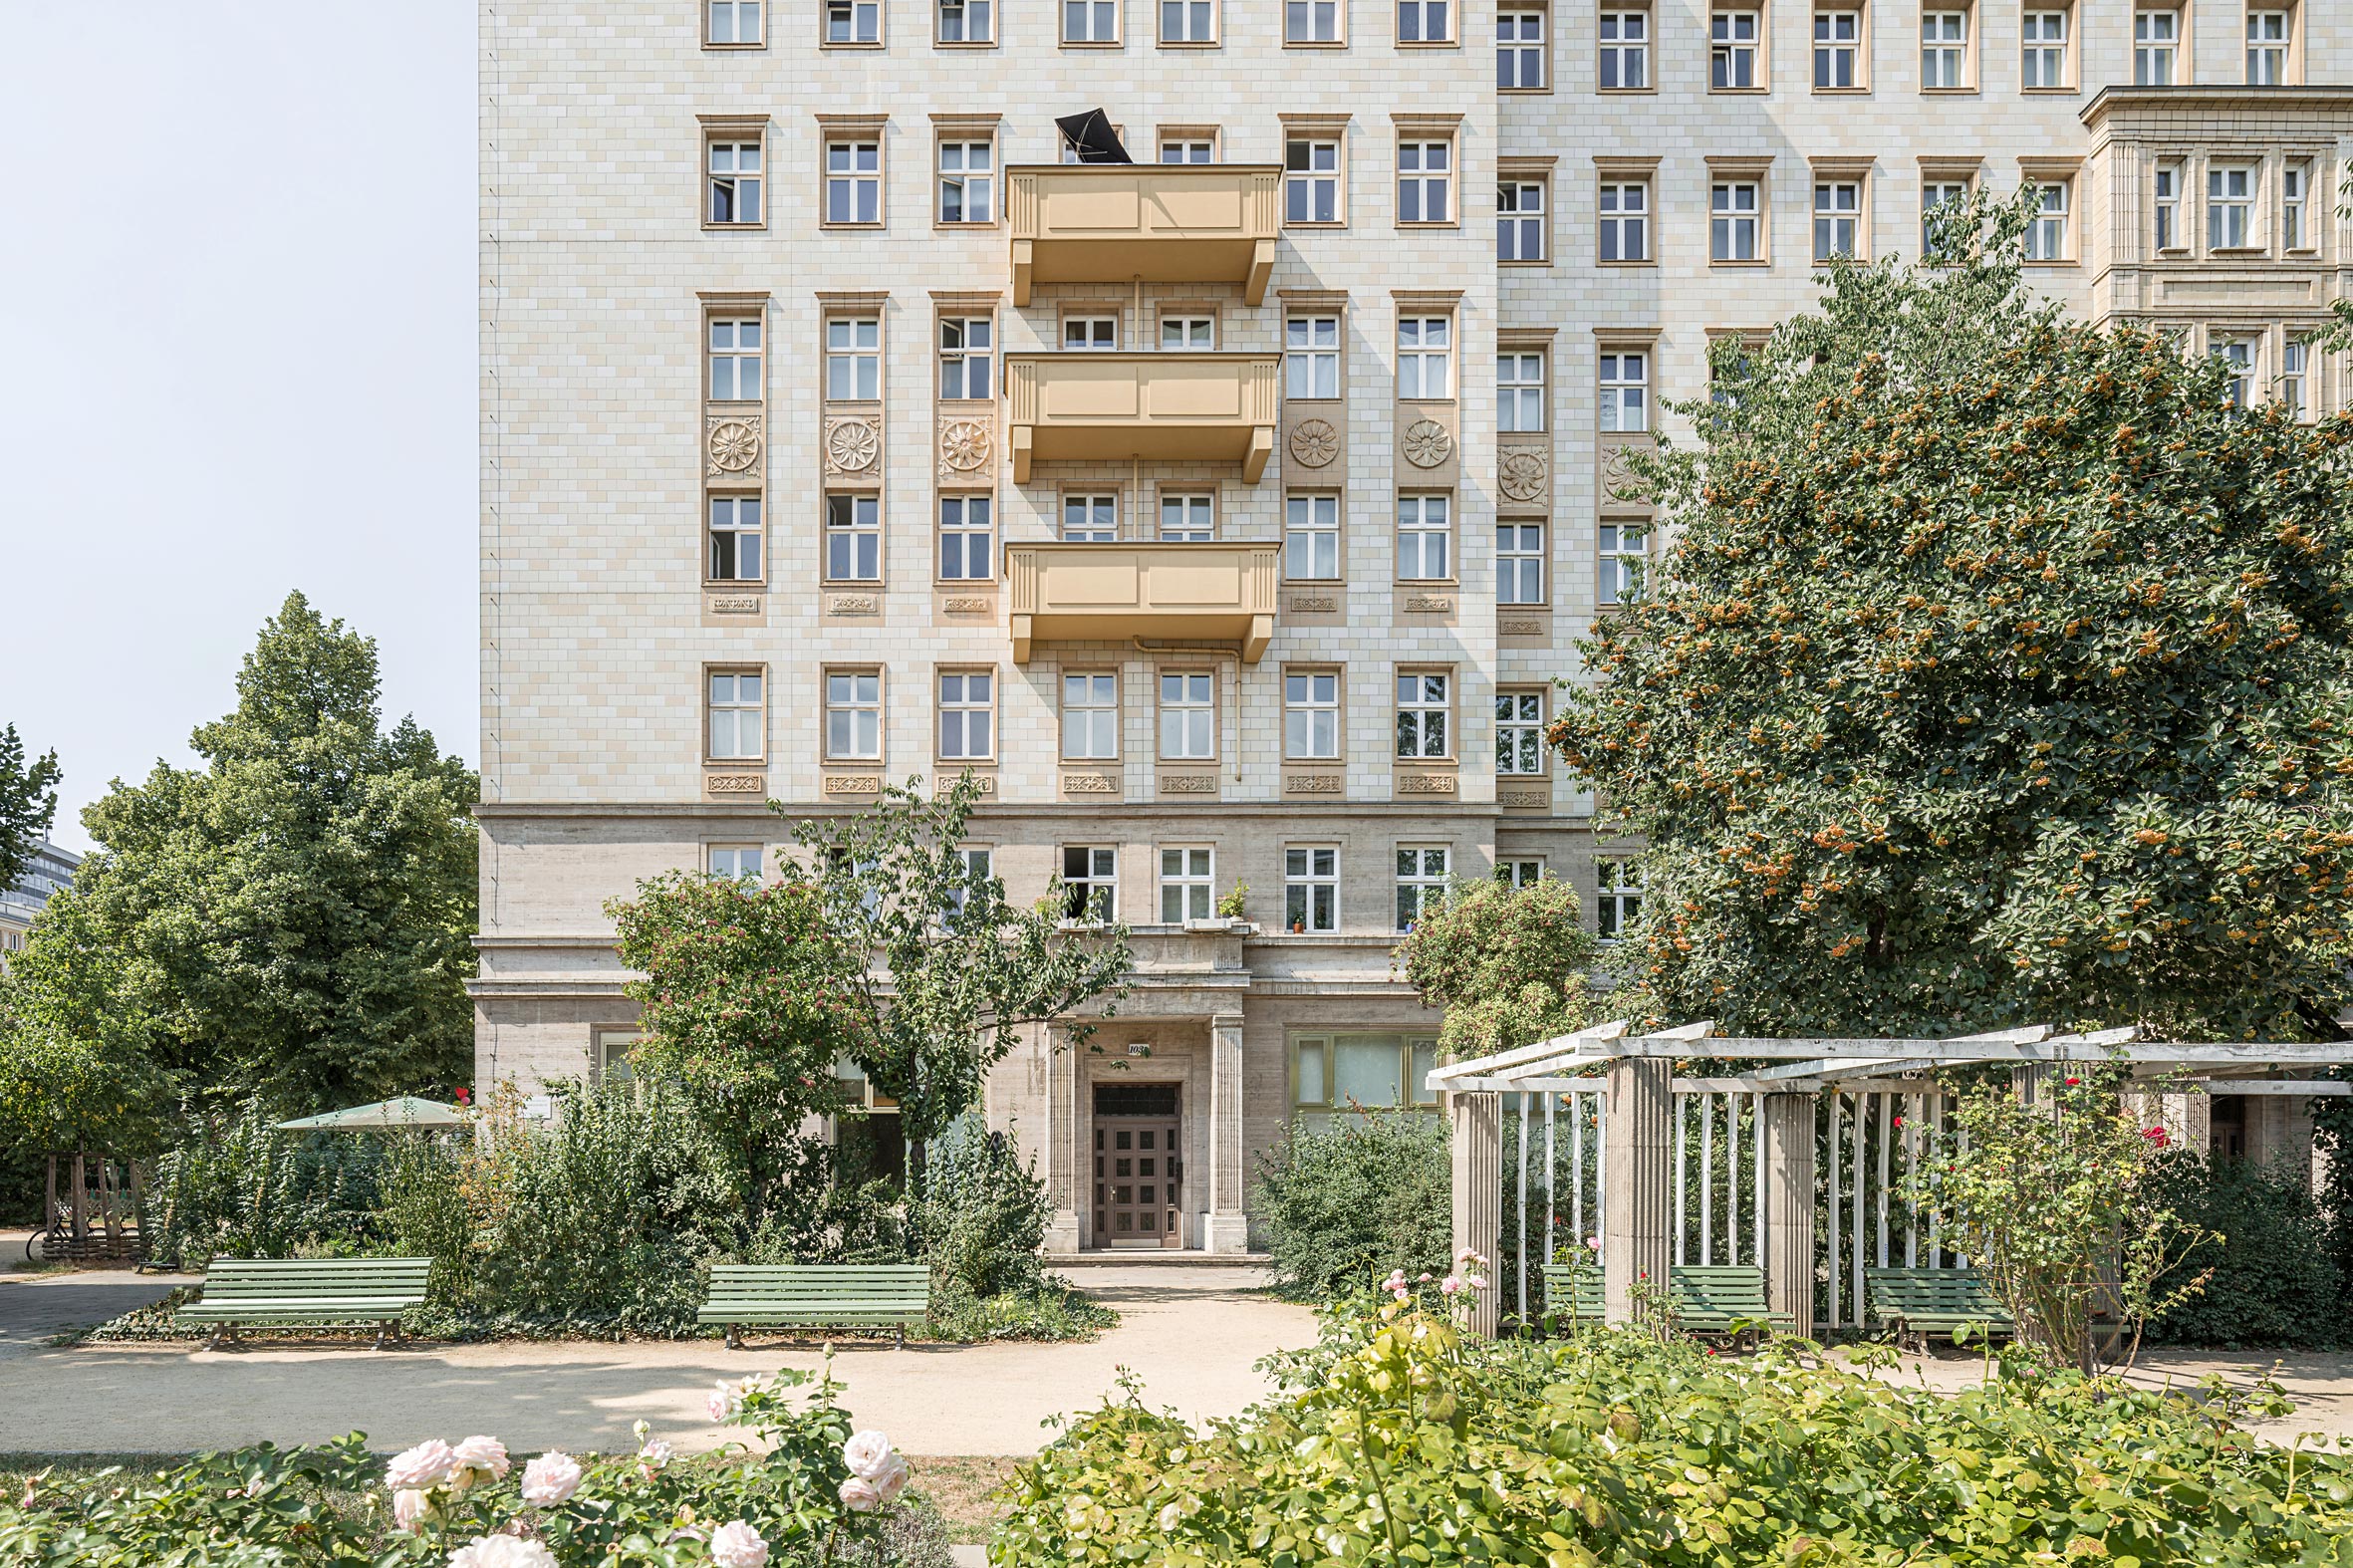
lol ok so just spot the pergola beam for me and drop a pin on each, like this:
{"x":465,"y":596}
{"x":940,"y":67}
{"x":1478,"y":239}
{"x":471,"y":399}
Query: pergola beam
{"x":2069,"y":1048}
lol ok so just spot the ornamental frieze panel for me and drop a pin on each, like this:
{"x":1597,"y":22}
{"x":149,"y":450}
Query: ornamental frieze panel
{"x":853,"y":448}
{"x":732,"y":444}
{"x":967,"y":449}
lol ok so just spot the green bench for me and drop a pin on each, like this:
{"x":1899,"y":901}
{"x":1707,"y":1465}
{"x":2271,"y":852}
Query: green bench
{"x":1926,"y":1301}
{"x":1710,"y":1298}
{"x":311,"y":1292}
{"x":816,"y":1295}
{"x":1573,"y":1295}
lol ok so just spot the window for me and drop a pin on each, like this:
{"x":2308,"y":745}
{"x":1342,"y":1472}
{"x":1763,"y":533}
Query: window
{"x":2238,"y":358}
{"x":1090,"y":21}
{"x":2266,"y":48}
{"x":1732,"y":50}
{"x":853,"y":21}
{"x":732,"y":22}
{"x":1188,"y":517}
{"x":1187,"y":712}
{"x":1425,"y":22}
{"x":1837,"y":38}
{"x":968,"y":21}
{"x":2295,"y":377}
{"x":1424,"y":180}
{"x":735,"y":361}
{"x":1187,"y":886}
{"x":613,"y":1047}
{"x":1519,"y":51}
{"x":968,"y":705}
{"x":1625,"y":390}
{"x":1364,"y":1072}
{"x":734,"y":861}
{"x":1311,"y":181}
{"x":1520,"y":391}
{"x":2156,"y":38}
{"x":1519,"y":563}
{"x":1421,"y":883}
{"x":2047,"y":235}
{"x":1944,"y":49}
{"x":1188,"y":150}
{"x":2042,"y":50}
{"x":1838,"y":206}
{"x":1311,"y":888}
{"x":735,"y":183}
{"x":1311,"y":536}
{"x":1188,"y":22}
{"x":1619,"y":555}
{"x":2168,"y":206}
{"x":1625,"y":51}
{"x":1519,"y":220}
{"x":979,"y":868}
{"x":1518,"y":873}
{"x":736,"y":538}
{"x":1425,"y":355}
{"x":1311,"y":356}
{"x":2295,"y":186}
{"x":1091,"y":717}
{"x":1520,"y":733}
{"x":1422,"y":705}
{"x":1620,"y":903}
{"x":854,"y":359}
{"x":2229,"y":199}
{"x":1089,"y":883}
{"x":1625,"y":209}
{"x":1421,"y":537}
{"x":1732,"y":220}
{"x":737,"y":715}
{"x":1311,"y":21}
{"x":964,"y":357}
{"x":967,"y":184}
{"x":1311,"y":714}
{"x":1090,"y":334}
{"x":852,"y":537}
{"x":1090,"y":519}
{"x":854,"y":713}
{"x":853,"y":183}
{"x":964,"y":538}
{"x":1936,"y":195}
{"x":1188,"y":333}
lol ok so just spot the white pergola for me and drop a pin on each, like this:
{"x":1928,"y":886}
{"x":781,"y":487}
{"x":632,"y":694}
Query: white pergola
{"x":1632,"y":1083}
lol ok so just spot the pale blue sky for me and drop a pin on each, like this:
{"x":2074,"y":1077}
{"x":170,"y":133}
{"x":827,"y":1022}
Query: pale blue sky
{"x":236,"y":358}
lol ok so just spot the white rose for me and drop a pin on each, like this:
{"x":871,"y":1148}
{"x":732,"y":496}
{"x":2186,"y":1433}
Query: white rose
{"x":738,"y":1545}
{"x":865,"y":1453}
{"x":551,"y":1480}
{"x":893,"y":1478}
{"x":721,"y":1402}
{"x":483,"y":1454}
{"x":502,"y":1551}
{"x":409,"y":1508}
{"x":428,"y":1465}
{"x":656,"y":1454}
{"x":859,"y":1496}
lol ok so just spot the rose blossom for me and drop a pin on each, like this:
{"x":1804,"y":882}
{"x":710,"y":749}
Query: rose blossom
{"x":859,"y":1496}
{"x":655,"y":1455}
{"x":409,"y":1508}
{"x":721,"y":1403}
{"x":1476,"y":1282}
{"x":736,"y":1544}
{"x":502,"y":1551}
{"x":550,"y":1479}
{"x":483,"y":1454}
{"x":867,"y":1453}
{"x":1452,"y":1284}
{"x":429,"y":1463}
{"x":893,"y":1478}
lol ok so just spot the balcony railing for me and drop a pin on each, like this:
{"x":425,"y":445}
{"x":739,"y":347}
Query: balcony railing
{"x":1153,"y":407}
{"x":1156,"y":222}
{"x":1204,"y":593}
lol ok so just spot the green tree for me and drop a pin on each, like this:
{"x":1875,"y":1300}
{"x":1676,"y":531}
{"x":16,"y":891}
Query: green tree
{"x":1997,"y":671}
{"x":1510,"y":966}
{"x":76,"y":1062}
{"x":28,"y":804}
{"x":295,"y":913}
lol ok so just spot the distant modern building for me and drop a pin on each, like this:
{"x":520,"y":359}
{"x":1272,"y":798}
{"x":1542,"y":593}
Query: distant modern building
{"x":52,"y":868}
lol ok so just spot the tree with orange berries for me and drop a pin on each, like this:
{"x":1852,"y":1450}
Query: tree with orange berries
{"x":1997,"y":671}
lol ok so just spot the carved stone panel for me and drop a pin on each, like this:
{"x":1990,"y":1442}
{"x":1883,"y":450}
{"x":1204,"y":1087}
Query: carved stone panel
{"x":735,"y":603}
{"x":853,"y":604}
{"x":1424,"y":783}
{"x":1618,"y":488}
{"x":854,"y":784}
{"x":1188,"y":783}
{"x":735,"y":785}
{"x":968,"y":605}
{"x":1523,"y":626}
{"x":1090,"y":783}
{"x":984,"y":783}
{"x":1426,"y":444}
{"x":1524,"y":799}
{"x":1428,"y":604}
{"x":854,"y":450}
{"x":1315,"y":784}
{"x":1523,"y":476}
{"x":1429,"y":445}
{"x":1315,"y":442}
{"x":1312,"y":602}
{"x":732,"y":443}
{"x":968,"y":448}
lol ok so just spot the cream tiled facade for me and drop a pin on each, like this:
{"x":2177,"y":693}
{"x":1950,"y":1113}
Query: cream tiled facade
{"x":752,"y":530}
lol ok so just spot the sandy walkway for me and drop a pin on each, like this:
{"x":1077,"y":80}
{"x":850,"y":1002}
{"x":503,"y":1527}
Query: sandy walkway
{"x":2320,"y":1385}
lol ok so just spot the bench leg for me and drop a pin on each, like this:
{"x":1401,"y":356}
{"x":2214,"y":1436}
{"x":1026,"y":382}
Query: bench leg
{"x":734,"y":1337}
{"x":219,"y":1330}
{"x":902,"y":1335}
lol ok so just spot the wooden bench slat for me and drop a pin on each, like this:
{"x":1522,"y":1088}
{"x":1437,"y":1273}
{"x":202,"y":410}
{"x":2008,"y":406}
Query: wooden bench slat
{"x":313,"y":1291}
{"x":807,"y":1295}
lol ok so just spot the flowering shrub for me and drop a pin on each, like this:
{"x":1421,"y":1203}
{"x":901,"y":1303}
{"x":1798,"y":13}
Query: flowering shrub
{"x":1361,"y":1195}
{"x":1399,"y":1439}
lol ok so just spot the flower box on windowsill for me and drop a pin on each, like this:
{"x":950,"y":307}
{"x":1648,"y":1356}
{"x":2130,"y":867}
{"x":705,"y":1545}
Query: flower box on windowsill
{"x":1222,"y":923}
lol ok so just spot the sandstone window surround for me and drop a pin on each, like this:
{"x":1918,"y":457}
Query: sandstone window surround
{"x":1520,"y":751}
{"x":964,"y":24}
{"x":2047,"y":47}
{"x":1843,"y":199}
{"x":2054,"y":238}
{"x":738,"y":535}
{"x":1189,"y":514}
{"x":1188,"y":24}
{"x":852,"y":712}
{"x":852,"y":355}
{"x":1089,"y":715}
{"x":1090,"y":24}
{"x":967,"y":726}
{"x":1187,"y":713}
{"x":2274,"y":44}
{"x":1425,"y":537}
{"x":735,"y":24}
{"x":1190,"y":143}
{"x":1842,"y":47}
{"x":1524,"y":211}
{"x":1312,"y":714}
{"x":1429,"y":170}
{"x":1521,"y":407}
{"x":1739,"y":211}
{"x":1623,"y":381}
{"x":736,"y":171}
{"x":1427,"y":24}
{"x":1090,"y":517}
{"x":968,"y":535}
{"x":1943,"y":180}
{"x":1311,"y":536}
{"x":1314,"y":345}
{"x":1623,"y":35}
{"x":1739,"y":47}
{"x":1625,"y":203}
{"x":850,"y":23}
{"x":1425,"y":714}
{"x":1315,"y":170}
{"x":1949,"y":46}
{"x":1523,"y":49}
{"x":1311,"y":888}
{"x":1425,"y":355}
{"x":735,"y":713}
{"x":853,"y":536}
{"x":1315,"y":24}
{"x":964,"y":155}
{"x":735,"y":346}
{"x":851,"y":170}
{"x":1188,"y":881}
{"x":1520,"y":573}
{"x":2161,"y":45}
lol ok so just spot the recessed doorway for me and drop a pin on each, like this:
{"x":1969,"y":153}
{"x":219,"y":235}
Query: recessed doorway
{"x":1139,"y":1166}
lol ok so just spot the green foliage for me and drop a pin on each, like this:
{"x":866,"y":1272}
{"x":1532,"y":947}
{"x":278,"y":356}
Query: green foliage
{"x":28,"y":804}
{"x":981,"y":1218}
{"x":233,"y":1187}
{"x":2276,"y":1280}
{"x":1401,"y":1441}
{"x":1997,"y":671}
{"x":1346,"y":1202}
{"x":1510,"y":966}
{"x":295,"y":913}
{"x":77,"y":1064}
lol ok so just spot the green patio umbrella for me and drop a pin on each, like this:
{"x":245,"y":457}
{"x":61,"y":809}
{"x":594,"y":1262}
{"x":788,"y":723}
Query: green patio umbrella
{"x":407,"y":1110}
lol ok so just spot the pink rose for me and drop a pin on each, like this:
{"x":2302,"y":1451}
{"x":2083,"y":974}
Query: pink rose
{"x":1451,"y":1285}
{"x":428,"y":1465}
{"x":408,"y":1510}
{"x":736,"y":1544}
{"x":859,"y":1496}
{"x":655,"y":1455}
{"x":551,"y":1480}
{"x":482,"y":1453}
{"x":721,"y":1403}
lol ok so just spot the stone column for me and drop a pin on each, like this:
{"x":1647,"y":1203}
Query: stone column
{"x":1638,"y":1155}
{"x":1789,"y":1208}
{"x":1229,"y":1229}
{"x":1479,"y":1191}
{"x":1067,"y":1164}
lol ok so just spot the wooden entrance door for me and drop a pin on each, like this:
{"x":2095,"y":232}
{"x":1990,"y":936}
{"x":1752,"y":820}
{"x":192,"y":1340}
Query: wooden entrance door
{"x":1139,"y":1166}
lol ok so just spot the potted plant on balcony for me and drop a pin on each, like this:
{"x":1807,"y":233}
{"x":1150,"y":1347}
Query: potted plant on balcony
{"x":1230,"y":906}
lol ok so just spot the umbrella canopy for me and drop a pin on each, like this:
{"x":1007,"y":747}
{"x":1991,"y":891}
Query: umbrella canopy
{"x":1092,"y":134}
{"x":408,"y":1111}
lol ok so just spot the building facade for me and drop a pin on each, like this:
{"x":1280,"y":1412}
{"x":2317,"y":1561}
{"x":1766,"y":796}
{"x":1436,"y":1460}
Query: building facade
{"x":1229,"y":514}
{"x":51,"y":868}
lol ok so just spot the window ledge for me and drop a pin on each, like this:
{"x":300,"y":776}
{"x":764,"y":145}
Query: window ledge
{"x":1189,"y":43}
{"x":872,"y":228}
{"x":1761,"y":261}
{"x":1951,"y":92}
{"x":873,"y":44}
{"x":1336,"y":42}
{"x":735,"y":585}
{"x":1523,"y":91}
{"x":733,"y":229}
{"x":1740,"y":91}
{"x":1627,"y":92}
{"x":965,"y":225}
{"x":2051,"y":92}
{"x":1653,"y":262}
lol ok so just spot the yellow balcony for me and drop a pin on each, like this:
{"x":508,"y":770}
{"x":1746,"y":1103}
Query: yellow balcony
{"x":1197,"y":593}
{"x":1153,"y":407}
{"x":1162,"y":224}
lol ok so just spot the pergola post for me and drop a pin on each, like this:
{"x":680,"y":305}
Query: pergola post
{"x":1789,"y":1209}
{"x":1636,"y":1235}
{"x":1479,"y":1193}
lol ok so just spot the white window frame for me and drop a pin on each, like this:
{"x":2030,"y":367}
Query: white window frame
{"x":1090,"y":517}
{"x":853,"y":536}
{"x":2231,"y":207}
{"x":1838,"y":217}
{"x":1091,"y":331}
{"x":731,"y":34}
{"x":1522,"y":49}
{"x":1311,"y":536}
{"x":851,"y":24}
{"x":1188,"y":883}
{"x":1425,"y":359}
{"x":1426,"y":181}
{"x":967,"y":702}
{"x":1519,"y":734}
{"x":1519,"y":561}
{"x":965,"y":517}
{"x":2043,"y":51}
{"x":1625,"y":61}
{"x":1424,"y":715}
{"x":1623,"y":210}
{"x":1091,"y":715}
{"x":736,"y":357}
{"x":1311,"y":358}
{"x":973,"y":22}
{"x":1734,"y":42}
{"x":1187,"y":516}
{"x":1425,"y":536}
{"x":968,"y":349}
{"x":853,"y":182}
{"x":1090,"y":22}
{"x":1311,"y":715}
{"x":1520,"y":870}
{"x":1620,"y":551}
{"x":1838,"y":49}
{"x":2051,"y":235}
{"x":1944,"y":50}
{"x":1735,"y":232}
{"x":2295,"y":206}
{"x":738,"y":526}
{"x":1197,"y":21}
{"x":736,"y":715}
{"x":1414,"y":19}
{"x":971,"y":185}
{"x":853,"y":359}
{"x":1188,"y":332}
{"x":1311,"y":181}
{"x":733,"y":862}
{"x":1521,"y":220}
{"x":2156,"y":46}
{"x":1091,"y":884}
{"x":1311,"y":888}
{"x":1935,"y":192}
{"x":2239,"y":350}
{"x":1186,"y":147}
{"x":853,"y":715}
{"x":1623,"y":386}
{"x":1312,"y":22}
{"x":1188,"y":716}
{"x":1521,"y":383}
{"x":2269,"y":33}
{"x":2165,"y":207}
{"x":1618,"y":899}
{"x":1423,"y":872}
{"x":734,"y":171}
{"x":2295,"y":378}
